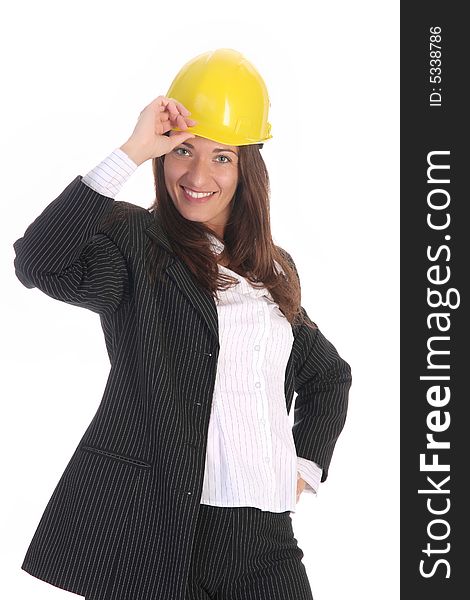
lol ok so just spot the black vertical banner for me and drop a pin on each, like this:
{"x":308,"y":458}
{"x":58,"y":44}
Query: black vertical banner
{"x":435,"y":268}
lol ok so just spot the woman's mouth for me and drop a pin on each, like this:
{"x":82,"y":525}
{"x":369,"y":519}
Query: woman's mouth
{"x":197,"y":197}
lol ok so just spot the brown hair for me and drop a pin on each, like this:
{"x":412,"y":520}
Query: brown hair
{"x":248,"y":245}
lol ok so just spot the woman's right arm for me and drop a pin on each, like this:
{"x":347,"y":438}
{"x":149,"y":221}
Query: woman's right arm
{"x":65,"y":255}
{"x":66,"y":252}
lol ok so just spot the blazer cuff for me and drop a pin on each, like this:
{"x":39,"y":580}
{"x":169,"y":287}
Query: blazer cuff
{"x":310,"y":472}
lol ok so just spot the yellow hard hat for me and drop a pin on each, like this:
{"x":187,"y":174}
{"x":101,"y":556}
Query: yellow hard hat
{"x":226,"y":96}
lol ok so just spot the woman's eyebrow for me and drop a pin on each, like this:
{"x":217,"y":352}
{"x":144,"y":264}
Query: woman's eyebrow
{"x":215,"y":149}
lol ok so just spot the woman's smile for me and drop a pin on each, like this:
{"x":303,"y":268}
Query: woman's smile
{"x":198,"y":197}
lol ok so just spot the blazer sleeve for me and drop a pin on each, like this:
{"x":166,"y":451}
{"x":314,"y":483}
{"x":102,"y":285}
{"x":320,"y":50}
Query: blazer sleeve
{"x":322,"y":379}
{"x":68,"y":255}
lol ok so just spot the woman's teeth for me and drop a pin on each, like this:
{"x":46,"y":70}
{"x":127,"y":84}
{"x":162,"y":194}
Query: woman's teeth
{"x":196,"y":194}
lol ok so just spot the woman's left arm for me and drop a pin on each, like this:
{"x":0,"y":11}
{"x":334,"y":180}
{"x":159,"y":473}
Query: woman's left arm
{"x":322,"y":380}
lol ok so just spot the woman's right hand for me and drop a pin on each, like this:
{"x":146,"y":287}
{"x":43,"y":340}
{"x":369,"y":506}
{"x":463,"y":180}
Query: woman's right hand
{"x":148,"y":139}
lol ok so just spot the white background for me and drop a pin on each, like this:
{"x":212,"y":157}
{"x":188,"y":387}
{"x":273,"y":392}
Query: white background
{"x":75,"y":78}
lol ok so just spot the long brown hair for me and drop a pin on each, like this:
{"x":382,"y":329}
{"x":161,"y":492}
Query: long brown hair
{"x":248,"y":245}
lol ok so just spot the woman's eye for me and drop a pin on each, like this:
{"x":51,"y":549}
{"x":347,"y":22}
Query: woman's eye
{"x":227,"y":159}
{"x":176,"y":149}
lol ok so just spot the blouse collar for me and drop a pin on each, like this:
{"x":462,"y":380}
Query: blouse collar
{"x":217,"y":245}
{"x":244,"y":286}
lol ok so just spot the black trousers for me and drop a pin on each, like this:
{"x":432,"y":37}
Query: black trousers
{"x":244,"y":553}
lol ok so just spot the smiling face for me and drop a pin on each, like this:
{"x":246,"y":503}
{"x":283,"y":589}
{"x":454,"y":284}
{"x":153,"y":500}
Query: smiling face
{"x":196,"y":167}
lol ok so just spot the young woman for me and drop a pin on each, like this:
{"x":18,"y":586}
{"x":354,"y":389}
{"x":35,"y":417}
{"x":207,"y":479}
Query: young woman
{"x":183,"y":485}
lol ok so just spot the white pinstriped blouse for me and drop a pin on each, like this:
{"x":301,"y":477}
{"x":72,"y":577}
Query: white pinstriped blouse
{"x":251,"y":458}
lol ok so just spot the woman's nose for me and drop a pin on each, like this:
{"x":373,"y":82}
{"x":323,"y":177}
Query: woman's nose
{"x":199,"y":175}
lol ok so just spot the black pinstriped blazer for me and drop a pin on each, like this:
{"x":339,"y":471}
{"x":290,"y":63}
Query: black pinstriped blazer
{"x":121,"y":519}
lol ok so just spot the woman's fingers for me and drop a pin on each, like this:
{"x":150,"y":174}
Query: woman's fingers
{"x":173,"y":114}
{"x":168,"y":124}
{"x":181,"y":122}
{"x":173,"y":109}
{"x":301,"y":483}
{"x":171,"y":105}
{"x":184,"y":111}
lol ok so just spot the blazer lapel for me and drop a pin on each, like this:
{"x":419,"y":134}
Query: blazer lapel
{"x":199,"y":297}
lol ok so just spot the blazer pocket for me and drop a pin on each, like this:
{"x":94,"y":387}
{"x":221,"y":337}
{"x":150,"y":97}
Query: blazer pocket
{"x":133,"y":461}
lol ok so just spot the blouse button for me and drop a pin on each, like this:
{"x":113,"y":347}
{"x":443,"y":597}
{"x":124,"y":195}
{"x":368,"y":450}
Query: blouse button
{"x":257,"y":347}
{"x":257,"y":384}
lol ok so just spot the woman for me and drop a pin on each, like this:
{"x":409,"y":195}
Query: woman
{"x":183,"y":484}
